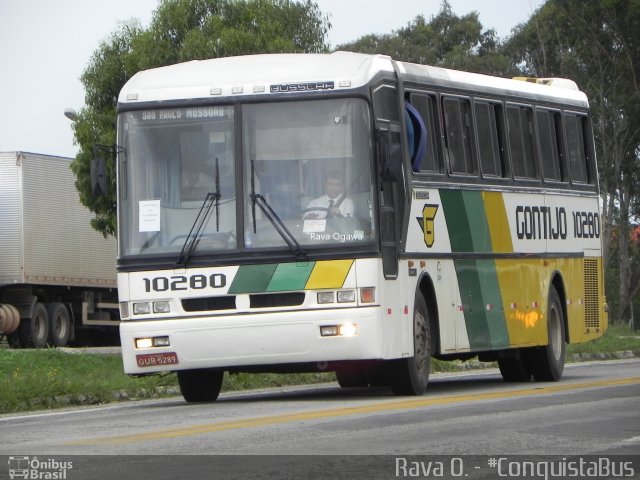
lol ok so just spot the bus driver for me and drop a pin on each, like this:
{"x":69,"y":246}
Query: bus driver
{"x":334,"y":203}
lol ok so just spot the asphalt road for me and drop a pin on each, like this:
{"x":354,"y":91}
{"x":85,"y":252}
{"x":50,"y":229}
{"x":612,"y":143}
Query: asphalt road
{"x":593,"y":410}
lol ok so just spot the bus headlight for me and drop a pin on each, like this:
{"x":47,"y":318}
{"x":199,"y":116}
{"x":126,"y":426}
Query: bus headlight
{"x":343,"y":330}
{"x":329,"y":331}
{"x":325,"y":297}
{"x":141,"y":308}
{"x":348,"y":330}
{"x":346,"y":296}
{"x":161,"y":307}
{"x":149,"y":342}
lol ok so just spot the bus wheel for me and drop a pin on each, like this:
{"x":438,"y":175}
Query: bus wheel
{"x":34,"y":331}
{"x":409,"y":376}
{"x":514,"y":366}
{"x":59,"y":324}
{"x":547,"y":363}
{"x":351,"y":377}
{"x":200,"y":385}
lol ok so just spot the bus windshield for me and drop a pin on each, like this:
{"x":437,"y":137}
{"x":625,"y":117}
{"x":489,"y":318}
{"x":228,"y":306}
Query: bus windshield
{"x":289,"y":175}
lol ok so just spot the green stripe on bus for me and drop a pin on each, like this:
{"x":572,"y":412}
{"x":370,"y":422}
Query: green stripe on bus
{"x":492,"y":300}
{"x":290,"y":276}
{"x":252,"y":278}
{"x":457,"y":222}
{"x":482,"y":304}
{"x":472,"y":302}
{"x":477,"y":220}
{"x":468,"y":230}
{"x":466,"y":221}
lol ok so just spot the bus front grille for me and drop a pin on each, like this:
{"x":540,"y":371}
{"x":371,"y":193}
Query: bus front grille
{"x":228,"y":302}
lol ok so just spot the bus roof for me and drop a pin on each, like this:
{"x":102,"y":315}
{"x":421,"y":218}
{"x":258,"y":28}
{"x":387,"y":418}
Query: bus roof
{"x":252,"y":74}
{"x":559,"y":90}
{"x":278,"y":73}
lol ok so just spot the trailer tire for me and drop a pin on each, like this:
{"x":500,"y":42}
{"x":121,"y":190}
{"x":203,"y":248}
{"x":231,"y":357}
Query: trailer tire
{"x":34,"y":331}
{"x":202,"y":385}
{"x":60,"y":325}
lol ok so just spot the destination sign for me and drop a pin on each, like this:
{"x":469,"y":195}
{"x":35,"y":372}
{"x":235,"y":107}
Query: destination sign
{"x":195,"y":113}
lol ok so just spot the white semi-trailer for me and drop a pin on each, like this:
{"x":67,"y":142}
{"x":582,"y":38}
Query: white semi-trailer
{"x":57,"y":274}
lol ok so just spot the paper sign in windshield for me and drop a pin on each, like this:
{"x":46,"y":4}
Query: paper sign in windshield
{"x":149,"y":215}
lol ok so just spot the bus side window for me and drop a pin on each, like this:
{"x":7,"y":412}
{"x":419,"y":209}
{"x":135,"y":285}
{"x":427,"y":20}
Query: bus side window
{"x":489,"y":142}
{"x":549,"y":141}
{"x":426,"y":106}
{"x":521,"y":134}
{"x":457,"y":118}
{"x":576,"y":150}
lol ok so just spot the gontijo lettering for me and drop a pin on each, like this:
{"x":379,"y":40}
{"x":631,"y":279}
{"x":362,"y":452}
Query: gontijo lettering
{"x":546,"y":223}
{"x":538,"y":223}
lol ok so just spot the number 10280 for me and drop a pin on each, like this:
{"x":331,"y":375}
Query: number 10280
{"x":183,"y":282}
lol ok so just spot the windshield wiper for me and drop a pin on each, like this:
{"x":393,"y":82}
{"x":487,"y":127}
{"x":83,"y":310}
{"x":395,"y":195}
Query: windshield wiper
{"x":198,"y":224}
{"x":281,"y":228}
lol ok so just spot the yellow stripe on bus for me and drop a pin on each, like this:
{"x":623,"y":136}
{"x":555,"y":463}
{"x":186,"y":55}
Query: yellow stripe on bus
{"x":498,"y":222}
{"x":329,"y":274}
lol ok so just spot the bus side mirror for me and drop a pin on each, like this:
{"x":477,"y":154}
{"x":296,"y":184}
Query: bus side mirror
{"x":98,"y":177}
{"x":391,"y":161}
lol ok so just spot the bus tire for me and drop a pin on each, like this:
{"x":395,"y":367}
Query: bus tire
{"x":515,"y":367}
{"x":351,"y":377}
{"x":34,"y":331}
{"x":201,"y":385}
{"x":409,"y":376}
{"x":60,"y":325}
{"x":547,"y":362}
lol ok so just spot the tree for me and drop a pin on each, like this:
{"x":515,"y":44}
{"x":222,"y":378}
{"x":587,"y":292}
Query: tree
{"x":180,"y":30}
{"x":446,"y":40}
{"x":597,"y":43}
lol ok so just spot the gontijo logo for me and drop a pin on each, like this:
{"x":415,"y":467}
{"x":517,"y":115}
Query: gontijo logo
{"x":427,"y":224}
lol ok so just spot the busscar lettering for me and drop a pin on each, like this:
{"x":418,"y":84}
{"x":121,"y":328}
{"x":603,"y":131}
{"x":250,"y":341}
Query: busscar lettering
{"x":301,"y":87}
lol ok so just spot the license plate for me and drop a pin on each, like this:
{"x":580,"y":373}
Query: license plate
{"x":157,"y":359}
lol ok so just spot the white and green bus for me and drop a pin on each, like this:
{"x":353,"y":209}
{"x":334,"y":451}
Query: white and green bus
{"x":351,"y":213}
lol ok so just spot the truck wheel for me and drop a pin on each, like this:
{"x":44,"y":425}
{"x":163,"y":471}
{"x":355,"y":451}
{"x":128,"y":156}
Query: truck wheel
{"x":59,"y":324}
{"x":34,"y":331}
{"x":547,"y":363}
{"x":200,"y":385}
{"x":409,"y":376}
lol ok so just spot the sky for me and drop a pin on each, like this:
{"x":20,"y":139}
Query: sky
{"x":45,"y":45}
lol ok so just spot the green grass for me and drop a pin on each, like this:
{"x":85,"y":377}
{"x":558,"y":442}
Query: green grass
{"x":48,"y":378}
{"x":617,"y":338}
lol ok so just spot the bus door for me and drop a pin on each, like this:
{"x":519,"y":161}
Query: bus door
{"x":392,"y":194}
